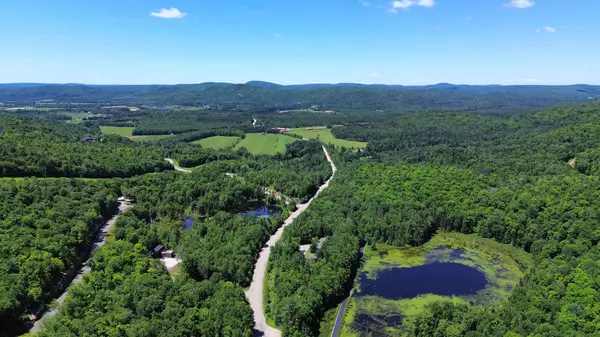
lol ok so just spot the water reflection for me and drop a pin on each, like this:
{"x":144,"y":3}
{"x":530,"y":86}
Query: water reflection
{"x":439,"y":278}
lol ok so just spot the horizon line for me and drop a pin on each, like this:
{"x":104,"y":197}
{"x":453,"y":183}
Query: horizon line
{"x":296,"y":84}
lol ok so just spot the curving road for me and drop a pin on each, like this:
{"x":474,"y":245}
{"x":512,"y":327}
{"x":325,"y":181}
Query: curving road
{"x":177,"y":168}
{"x":254,"y":122}
{"x":254,"y":294}
{"x":85,"y":269}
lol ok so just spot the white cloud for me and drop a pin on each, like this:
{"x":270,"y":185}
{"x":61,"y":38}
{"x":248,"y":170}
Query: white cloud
{"x":426,"y":3}
{"x":277,"y":35}
{"x":530,"y":80}
{"x":546,"y":29}
{"x":375,"y":74}
{"x":171,"y":13}
{"x":520,"y":4}
{"x":404,"y":4}
{"x":365,"y":3}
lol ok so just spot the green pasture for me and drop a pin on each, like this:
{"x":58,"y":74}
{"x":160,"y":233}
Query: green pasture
{"x":325,"y":136}
{"x":217,"y":142}
{"x":265,"y":144}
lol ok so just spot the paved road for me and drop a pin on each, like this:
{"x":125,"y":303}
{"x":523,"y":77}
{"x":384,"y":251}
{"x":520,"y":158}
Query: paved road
{"x":85,"y":268}
{"x":177,"y":168}
{"x":254,"y":122}
{"x":339,"y":320}
{"x":254,"y":294}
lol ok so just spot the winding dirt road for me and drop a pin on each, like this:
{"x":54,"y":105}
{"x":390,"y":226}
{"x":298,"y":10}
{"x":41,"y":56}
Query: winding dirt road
{"x":177,"y":168}
{"x":254,"y":294}
{"x":85,"y":268}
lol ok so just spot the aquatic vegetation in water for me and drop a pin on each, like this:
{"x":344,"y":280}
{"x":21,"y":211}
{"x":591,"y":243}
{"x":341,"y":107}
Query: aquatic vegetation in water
{"x":451,"y":267}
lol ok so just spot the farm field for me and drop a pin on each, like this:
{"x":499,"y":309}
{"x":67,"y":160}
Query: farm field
{"x":217,"y":142}
{"x":77,"y":118}
{"x":265,"y":144}
{"x":117,"y":130}
{"x":325,"y":136}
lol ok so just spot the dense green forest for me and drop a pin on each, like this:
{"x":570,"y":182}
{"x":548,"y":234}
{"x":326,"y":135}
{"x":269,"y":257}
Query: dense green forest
{"x":207,"y":297}
{"x":43,"y":148}
{"x":507,"y":179}
{"x":499,"y":170}
{"x":131,"y":294}
{"x":268,"y":97}
{"x":45,"y":225}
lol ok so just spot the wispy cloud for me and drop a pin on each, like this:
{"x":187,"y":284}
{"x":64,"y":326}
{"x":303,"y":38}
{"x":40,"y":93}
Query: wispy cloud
{"x":546,"y":29}
{"x":375,"y":75}
{"x":365,"y":3}
{"x":426,"y":3}
{"x":530,"y":80}
{"x":404,"y":4}
{"x":520,"y":4}
{"x":276,"y":35}
{"x":170,"y":13}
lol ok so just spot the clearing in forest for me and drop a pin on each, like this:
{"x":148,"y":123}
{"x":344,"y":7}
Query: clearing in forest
{"x":117,"y":130}
{"x":265,"y":144}
{"x":325,"y":136}
{"x":218,"y":142}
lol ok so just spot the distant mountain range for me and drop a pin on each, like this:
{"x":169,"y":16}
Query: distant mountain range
{"x":264,"y":96}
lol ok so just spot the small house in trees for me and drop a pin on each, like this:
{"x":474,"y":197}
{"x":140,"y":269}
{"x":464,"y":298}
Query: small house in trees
{"x":157,"y":251}
{"x":168,"y":253}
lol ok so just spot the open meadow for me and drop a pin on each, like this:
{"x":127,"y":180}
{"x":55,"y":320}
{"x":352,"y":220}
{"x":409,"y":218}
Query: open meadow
{"x":117,"y":130}
{"x":324,"y":135}
{"x":265,"y":144}
{"x":217,"y":142}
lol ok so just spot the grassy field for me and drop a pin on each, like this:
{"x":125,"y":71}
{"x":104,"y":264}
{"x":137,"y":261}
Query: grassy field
{"x":325,"y":136}
{"x":117,"y":130}
{"x":503,"y":266}
{"x":78,"y":117}
{"x":265,"y":144}
{"x":217,"y":142}
{"x":148,"y":138}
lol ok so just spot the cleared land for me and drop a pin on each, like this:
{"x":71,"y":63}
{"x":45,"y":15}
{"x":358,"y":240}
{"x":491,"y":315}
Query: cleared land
{"x":325,"y":136}
{"x":78,"y":117}
{"x":117,"y":130}
{"x":217,"y":142}
{"x":265,"y":144}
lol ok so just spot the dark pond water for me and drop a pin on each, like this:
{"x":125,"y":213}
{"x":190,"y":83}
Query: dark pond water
{"x":439,"y":278}
{"x":261,"y":212}
{"x":189,"y":223}
{"x":375,"y":325}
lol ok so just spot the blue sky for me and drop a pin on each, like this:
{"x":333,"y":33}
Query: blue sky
{"x":307,"y":41}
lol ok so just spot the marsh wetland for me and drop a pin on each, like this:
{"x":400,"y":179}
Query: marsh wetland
{"x":395,"y":284}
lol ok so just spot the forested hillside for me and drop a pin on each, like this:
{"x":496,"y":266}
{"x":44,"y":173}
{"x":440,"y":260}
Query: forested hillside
{"x":507,"y":179}
{"x":259,"y":97}
{"x":45,"y":225}
{"x":206,"y":297}
{"x":34,"y":147}
{"x":524,"y":178}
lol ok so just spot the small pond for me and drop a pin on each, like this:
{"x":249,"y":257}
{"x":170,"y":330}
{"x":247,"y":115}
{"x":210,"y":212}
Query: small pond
{"x":438,"y":278}
{"x":189,"y":223}
{"x":261,"y":212}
